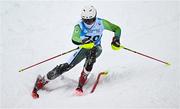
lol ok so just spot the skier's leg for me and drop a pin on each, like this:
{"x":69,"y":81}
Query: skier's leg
{"x":57,"y":71}
{"x":77,"y":57}
{"x":90,"y":60}
{"x":74,"y":60}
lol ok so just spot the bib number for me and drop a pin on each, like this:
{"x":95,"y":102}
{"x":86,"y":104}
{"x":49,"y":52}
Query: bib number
{"x":94,"y":38}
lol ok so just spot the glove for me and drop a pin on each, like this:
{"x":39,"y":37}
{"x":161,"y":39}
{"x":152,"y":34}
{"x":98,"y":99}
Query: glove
{"x":87,"y":44}
{"x":115,"y":44}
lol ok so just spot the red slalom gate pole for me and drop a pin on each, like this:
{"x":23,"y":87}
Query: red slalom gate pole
{"x":97,"y":80}
{"x":167,"y":63}
{"x":48,"y":59}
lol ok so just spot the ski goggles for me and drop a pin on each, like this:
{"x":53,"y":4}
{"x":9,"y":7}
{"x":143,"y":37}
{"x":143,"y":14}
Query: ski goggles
{"x":89,"y":21}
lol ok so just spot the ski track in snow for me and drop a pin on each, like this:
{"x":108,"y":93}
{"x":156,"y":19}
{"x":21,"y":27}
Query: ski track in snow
{"x":33,"y":31}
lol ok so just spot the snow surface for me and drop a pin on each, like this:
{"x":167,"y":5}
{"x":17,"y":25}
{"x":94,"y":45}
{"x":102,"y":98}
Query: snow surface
{"x":34,"y":31}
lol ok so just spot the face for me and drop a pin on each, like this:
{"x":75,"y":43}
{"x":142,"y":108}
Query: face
{"x":89,"y":21}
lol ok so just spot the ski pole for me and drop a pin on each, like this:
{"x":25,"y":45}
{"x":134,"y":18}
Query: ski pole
{"x":48,"y":59}
{"x":167,"y":63}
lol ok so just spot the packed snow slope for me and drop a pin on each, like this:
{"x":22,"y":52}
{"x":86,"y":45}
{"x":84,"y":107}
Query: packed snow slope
{"x":34,"y":31}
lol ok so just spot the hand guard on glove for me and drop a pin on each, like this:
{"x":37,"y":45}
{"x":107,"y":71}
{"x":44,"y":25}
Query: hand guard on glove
{"x":87,"y":44}
{"x":115,"y":44}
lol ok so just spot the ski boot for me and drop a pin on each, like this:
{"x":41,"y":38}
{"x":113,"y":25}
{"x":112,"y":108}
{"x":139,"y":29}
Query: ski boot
{"x":82,"y":81}
{"x":39,"y":84}
{"x":79,"y":91}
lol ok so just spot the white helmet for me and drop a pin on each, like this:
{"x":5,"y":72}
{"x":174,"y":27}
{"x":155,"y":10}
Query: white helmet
{"x":88,"y":12}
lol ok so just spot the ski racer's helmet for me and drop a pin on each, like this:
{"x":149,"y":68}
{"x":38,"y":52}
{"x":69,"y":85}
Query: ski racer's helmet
{"x":88,"y":14}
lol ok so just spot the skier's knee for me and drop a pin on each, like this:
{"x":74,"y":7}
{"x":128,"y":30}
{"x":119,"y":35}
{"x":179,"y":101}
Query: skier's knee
{"x":91,"y":60}
{"x":89,"y":63}
{"x":58,"y":70}
{"x":88,"y":68}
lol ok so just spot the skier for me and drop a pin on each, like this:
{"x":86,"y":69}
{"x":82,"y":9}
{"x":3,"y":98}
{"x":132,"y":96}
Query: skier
{"x":87,"y":35}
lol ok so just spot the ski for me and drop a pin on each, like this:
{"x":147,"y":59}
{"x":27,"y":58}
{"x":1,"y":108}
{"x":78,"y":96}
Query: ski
{"x":34,"y":93}
{"x":97,"y":80}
